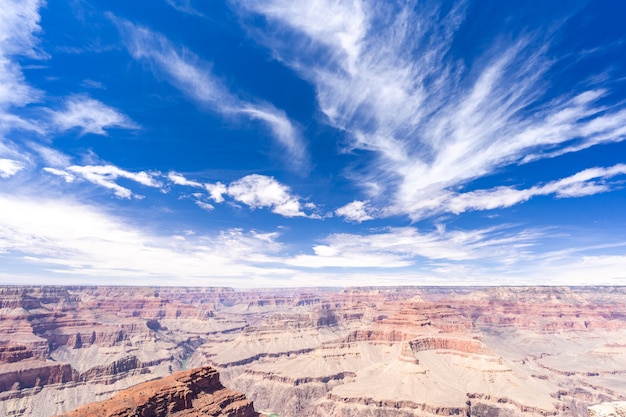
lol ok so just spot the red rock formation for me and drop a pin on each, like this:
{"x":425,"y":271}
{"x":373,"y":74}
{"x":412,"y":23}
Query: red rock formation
{"x":197,"y":392}
{"x":10,"y":353}
{"x":34,"y":373}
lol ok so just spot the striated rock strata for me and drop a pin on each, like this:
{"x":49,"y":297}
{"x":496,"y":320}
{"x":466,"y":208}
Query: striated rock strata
{"x":367,"y":352}
{"x":193,"y":393}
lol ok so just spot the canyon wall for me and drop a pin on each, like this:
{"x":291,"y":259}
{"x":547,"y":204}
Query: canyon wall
{"x":396,"y":351}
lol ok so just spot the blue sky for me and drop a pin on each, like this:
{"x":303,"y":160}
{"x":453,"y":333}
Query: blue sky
{"x":284,"y":143}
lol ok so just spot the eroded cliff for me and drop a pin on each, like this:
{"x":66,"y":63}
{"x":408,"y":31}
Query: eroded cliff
{"x":196,"y":392}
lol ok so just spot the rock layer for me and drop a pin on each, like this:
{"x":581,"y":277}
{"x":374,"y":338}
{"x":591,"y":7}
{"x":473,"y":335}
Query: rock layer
{"x":384,"y":352}
{"x":197,"y":392}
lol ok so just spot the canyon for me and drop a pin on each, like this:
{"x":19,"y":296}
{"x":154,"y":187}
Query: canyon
{"x":363,"y":351}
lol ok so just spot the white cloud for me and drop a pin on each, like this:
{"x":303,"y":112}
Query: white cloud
{"x":10,"y":121}
{"x":403,"y":247}
{"x":95,"y":247}
{"x":340,"y":25}
{"x":106,"y":176}
{"x":255,"y":191}
{"x":357,"y":211}
{"x":281,"y":127}
{"x":20,"y":22}
{"x":587,"y":182}
{"x":86,"y":245}
{"x":50,"y":156}
{"x":60,"y":173}
{"x":87,"y":83}
{"x":9,"y":167}
{"x":205,"y":206}
{"x":217,"y":191}
{"x":580,"y":184}
{"x":192,"y":76}
{"x":179,"y":179}
{"x":260,"y":191}
{"x":184,"y":6}
{"x":386,"y":74}
{"x":91,"y":116}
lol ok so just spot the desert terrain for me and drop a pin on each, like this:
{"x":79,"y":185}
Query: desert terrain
{"x":376,"y":351}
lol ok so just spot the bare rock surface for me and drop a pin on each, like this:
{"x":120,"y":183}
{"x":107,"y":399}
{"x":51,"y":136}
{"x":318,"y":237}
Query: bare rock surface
{"x":197,"y":392}
{"x":380,"y":352}
{"x":612,"y":409}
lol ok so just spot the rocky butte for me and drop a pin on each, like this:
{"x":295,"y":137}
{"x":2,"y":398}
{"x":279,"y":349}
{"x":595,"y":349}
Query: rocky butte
{"x":373,"y":352}
{"x":197,"y":392}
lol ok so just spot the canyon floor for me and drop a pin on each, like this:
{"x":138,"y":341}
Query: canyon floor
{"x":396,"y":351}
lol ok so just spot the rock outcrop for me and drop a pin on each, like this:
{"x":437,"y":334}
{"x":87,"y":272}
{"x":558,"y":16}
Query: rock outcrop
{"x":196,"y":392}
{"x":612,"y":409}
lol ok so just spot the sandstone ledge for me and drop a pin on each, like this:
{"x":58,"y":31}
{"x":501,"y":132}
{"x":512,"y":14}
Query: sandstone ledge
{"x":196,"y":392}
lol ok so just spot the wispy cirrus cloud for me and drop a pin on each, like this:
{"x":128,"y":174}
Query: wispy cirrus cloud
{"x":406,"y":246}
{"x":51,"y":157}
{"x":584,"y":183}
{"x":106,"y":176}
{"x":204,"y":205}
{"x":340,"y":26}
{"x":386,"y":73}
{"x":90,"y":244}
{"x":179,"y":179}
{"x":85,"y":243}
{"x":90,"y":116}
{"x":10,"y":167}
{"x":20,"y":23}
{"x":188,"y":73}
{"x":184,"y":6}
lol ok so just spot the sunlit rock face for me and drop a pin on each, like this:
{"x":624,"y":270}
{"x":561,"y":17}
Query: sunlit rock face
{"x":611,"y":409}
{"x":196,"y":392}
{"x":405,"y":351}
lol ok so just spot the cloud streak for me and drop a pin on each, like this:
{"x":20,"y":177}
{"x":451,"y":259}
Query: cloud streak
{"x":386,"y":74}
{"x":93,"y":246}
{"x":106,"y":176}
{"x":91,"y":116}
{"x":584,"y":183}
{"x":192,"y":76}
{"x":86,"y":245}
{"x":9,"y":167}
{"x":20,"y":23}
{"x":406,"y":246}
{"x":184,"y":6}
